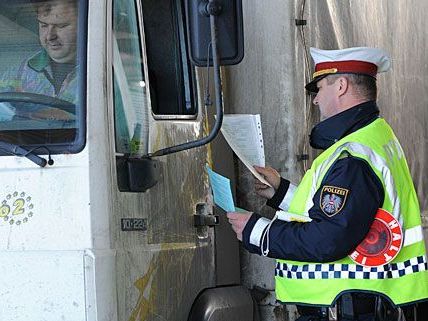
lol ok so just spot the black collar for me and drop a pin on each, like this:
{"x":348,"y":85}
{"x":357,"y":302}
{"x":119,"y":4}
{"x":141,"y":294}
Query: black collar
{"x":329,"y":131}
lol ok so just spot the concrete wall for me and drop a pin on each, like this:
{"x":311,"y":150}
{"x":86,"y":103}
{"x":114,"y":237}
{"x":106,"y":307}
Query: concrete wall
{"x":270,"y":82}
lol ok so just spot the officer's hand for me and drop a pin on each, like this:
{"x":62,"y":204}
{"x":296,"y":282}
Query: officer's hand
{"x":238,"y":220}
{"x":272,"y":176}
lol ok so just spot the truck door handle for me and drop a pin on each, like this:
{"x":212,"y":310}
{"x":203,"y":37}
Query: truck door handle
{"x":205,"y":220}
{"x":203,"y":217}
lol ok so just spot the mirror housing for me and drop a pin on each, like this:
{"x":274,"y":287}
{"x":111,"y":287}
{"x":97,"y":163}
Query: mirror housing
{"x":136,"y":174}
{"x":230,"y":31}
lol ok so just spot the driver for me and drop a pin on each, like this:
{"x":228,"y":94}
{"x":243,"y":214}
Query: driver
{"x":52,"y":70}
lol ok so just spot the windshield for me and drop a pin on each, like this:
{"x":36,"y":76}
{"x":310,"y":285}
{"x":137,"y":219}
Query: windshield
{"x":41,"y":73}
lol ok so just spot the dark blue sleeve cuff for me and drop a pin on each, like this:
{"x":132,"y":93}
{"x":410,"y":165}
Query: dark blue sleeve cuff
{"x":279,"y":195}
{"x":247,"y":232}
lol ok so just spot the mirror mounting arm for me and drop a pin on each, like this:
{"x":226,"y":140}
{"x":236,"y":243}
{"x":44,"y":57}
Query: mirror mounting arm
{"x":219,"y":100}
{"x":210,"y":8}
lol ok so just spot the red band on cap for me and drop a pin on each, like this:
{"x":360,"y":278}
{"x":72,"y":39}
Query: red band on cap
{"x":349,"y":66}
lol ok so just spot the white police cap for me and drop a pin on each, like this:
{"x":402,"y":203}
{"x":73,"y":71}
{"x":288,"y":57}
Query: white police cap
{"x":357,"y":60}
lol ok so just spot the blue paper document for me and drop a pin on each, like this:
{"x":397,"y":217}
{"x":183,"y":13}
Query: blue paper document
{"x":221,"y":190}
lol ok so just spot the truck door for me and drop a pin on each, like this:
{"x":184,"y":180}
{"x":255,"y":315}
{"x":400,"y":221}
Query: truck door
{"x":163,"y":261}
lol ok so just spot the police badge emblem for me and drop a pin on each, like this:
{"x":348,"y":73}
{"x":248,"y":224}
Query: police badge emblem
{"x":333,"y":199}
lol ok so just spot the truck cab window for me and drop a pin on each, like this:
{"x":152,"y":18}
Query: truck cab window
{"x":129,"y":85}
{"x":170,"y":76}
{"x":42,"y":81}
{"x":170,"y":73}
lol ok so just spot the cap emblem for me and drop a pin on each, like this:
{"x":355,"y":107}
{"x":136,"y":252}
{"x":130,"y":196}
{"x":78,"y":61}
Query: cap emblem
{"x":323,"y":72}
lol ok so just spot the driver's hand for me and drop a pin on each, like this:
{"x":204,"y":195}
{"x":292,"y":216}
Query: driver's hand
{"x":50,"y":113}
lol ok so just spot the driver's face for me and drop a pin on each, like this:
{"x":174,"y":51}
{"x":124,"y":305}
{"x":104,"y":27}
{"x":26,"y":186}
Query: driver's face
{"x":58,"y":31}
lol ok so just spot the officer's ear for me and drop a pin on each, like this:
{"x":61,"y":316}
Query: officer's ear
{"x":342,"y":85}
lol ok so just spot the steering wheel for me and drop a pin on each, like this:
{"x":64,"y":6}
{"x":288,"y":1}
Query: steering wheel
{"x":25,"y":97}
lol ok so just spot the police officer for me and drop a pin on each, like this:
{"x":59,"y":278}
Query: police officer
{"x":349,"y":235}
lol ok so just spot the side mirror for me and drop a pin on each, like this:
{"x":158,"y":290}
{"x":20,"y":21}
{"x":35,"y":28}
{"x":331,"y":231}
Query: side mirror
{"x":213,"y":26}
{"x":230,"y":33}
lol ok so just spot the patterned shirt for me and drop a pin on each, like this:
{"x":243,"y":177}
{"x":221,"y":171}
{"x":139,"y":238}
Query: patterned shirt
{"x":34,"y":75}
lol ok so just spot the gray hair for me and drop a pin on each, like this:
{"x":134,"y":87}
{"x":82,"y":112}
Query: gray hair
{"x":364,"y":86}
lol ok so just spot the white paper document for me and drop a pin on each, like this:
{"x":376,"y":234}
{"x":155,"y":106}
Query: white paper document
{"x":243,"y":133}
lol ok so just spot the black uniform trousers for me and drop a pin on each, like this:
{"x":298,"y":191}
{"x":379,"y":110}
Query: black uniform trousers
{"x":359,"y":307}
